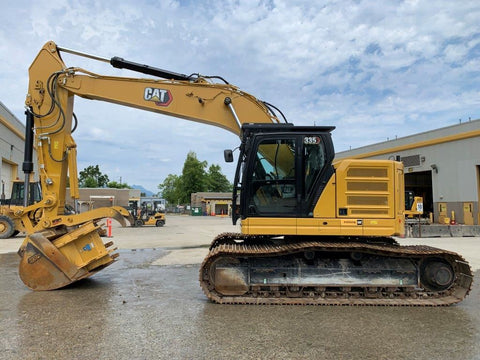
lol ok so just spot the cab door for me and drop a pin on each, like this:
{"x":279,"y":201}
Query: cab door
{"x":284,"y":174}
{"x":273,"y":185}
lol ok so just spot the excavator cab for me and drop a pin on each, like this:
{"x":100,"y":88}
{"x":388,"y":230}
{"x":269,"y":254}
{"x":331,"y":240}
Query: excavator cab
{"x":282,"y":170}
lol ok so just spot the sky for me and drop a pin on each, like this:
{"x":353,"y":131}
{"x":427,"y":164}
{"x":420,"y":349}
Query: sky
{"x":374,"y":72}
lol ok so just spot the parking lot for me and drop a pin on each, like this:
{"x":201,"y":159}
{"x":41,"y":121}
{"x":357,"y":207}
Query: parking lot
{"x":149,"y":305}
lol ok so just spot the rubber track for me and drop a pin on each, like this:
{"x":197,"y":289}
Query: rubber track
{"x":254,"y":246}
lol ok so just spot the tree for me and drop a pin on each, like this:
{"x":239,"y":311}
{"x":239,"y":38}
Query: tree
{"x":118,"y":185}
{"x":216,"y":181}
{"x":178,"y":189}
{"x":193,"y":177}
{"x":170,"y":189}
{"x":92,"y":177}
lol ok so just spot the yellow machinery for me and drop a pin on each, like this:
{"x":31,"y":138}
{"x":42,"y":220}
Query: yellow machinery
{"x":147,"y":211}
{"x":313,"y":231}
{"x":413,"y":205}
{"x":12,"y":208}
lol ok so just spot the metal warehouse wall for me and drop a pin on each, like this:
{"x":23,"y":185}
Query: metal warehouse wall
{"x":451,"y":155}
{"x":12,"y":143}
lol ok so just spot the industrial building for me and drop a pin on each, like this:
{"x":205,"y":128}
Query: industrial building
{"x":442,"y":166}
{"x":211,"y":203}
{"x":12,"y":143}
{"x":93,"y":198}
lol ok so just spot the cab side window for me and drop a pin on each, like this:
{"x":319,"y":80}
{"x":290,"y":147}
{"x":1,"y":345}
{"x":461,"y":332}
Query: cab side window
{"x":314,"y":161}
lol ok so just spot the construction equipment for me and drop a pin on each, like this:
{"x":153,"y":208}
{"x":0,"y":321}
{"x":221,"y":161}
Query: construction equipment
{"x":314,"y":231}
{"x":147,"y":211}
{"x":10,"y":220}
{"x":11,"y":209}
{"x":413,"y":205}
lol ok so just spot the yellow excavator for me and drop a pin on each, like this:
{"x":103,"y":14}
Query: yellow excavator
{"x":313,"y":231}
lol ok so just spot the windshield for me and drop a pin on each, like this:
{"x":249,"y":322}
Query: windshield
{"x":275,"y":159}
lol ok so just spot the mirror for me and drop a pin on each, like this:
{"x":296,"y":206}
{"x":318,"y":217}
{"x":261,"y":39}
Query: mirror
{"x":228,"y":155}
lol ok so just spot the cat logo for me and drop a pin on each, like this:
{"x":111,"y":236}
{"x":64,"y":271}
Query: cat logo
{"x":160,"y":97}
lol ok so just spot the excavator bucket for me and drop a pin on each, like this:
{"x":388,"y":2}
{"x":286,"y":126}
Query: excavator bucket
{"x":118,"y":213}
{"x":48,"y":264}
{"x":122,"y":214}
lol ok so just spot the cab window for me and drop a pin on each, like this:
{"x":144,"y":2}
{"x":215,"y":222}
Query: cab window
{"x":273,"y":180}
{"x":314,"y":161}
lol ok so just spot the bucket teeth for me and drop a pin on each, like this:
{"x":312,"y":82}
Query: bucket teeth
{"x":44,"y":267}
{"x":56,"y":257}
{"x":48,"y":264}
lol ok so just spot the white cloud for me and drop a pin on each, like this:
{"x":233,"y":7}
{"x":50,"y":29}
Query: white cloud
{"x":400,"y":68}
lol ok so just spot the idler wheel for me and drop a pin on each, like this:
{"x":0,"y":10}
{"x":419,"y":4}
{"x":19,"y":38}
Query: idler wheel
{"x":437,"y":274}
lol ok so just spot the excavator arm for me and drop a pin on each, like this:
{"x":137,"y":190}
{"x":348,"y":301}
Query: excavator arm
{"x":314,"y":231}
{"x":50,"y":101}
{"x":51,"y":122}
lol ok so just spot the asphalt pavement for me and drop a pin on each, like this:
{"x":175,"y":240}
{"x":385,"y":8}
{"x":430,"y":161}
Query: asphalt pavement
{"x":149,"y":305}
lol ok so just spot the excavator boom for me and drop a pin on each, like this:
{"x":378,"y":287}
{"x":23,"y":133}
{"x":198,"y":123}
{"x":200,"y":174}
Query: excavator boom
{"x":314,"y":231}
{"x":50,"y":120}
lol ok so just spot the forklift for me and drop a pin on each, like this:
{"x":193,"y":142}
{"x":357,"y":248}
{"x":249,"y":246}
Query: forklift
{"x":147,"y":211}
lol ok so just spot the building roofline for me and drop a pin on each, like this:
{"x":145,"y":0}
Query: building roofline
{"x":12,"y":123}
{"x":434,"y":137}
